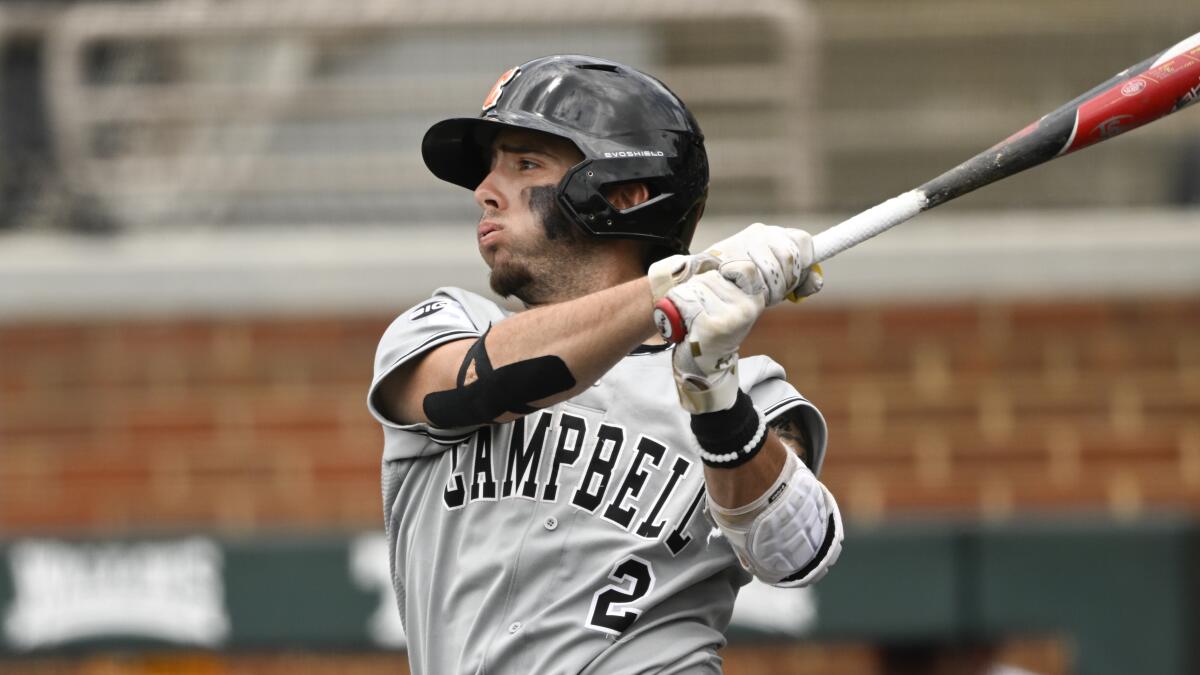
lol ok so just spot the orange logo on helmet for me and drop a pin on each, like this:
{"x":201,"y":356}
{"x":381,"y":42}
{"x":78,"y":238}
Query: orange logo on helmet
{"x":493,"y":96}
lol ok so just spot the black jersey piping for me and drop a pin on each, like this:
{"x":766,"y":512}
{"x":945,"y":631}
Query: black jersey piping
{"x":779,"y":407}
{"x":650,"y":349}
{"x":429,"y":342}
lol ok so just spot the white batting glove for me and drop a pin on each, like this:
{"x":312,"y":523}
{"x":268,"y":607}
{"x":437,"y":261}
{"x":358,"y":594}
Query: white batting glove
{"x":783,"y":258}
{"x":718,"y":313}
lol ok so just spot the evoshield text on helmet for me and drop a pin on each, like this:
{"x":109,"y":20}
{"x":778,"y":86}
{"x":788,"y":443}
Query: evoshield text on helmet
{"x":629,"y":127}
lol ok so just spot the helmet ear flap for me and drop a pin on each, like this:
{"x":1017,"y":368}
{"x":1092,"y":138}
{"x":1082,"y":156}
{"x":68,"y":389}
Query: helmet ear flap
{"x":583,"y":194}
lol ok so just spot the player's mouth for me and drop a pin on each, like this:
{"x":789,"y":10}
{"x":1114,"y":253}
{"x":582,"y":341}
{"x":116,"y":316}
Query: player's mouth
{"x":487,"y":232}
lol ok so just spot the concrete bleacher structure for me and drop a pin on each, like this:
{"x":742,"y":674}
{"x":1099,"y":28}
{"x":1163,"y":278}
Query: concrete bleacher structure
{"x":238,"y":112}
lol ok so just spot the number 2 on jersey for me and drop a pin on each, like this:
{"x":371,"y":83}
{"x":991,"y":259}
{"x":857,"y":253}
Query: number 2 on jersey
{"x":632,"y":579}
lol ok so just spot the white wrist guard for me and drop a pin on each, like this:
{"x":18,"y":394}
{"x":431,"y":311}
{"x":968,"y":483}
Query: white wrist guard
{"x":789,"y":536}
{"x":702,"y":390}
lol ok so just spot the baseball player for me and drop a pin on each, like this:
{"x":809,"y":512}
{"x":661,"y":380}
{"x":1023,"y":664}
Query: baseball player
{"x":564,"y":491}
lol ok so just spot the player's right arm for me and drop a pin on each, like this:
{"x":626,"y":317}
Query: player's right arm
{"x":529,"y":360}
{"x":550,"y":353}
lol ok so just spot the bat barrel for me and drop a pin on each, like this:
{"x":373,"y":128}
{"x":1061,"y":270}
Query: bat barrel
{"x":1138,"y":95}
{"x":1168,"y":83}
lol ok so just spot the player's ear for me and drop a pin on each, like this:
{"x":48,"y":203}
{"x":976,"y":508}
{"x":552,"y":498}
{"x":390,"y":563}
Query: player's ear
{"x":627,"y":195}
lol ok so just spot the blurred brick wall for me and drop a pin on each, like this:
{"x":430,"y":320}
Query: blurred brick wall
{"x":227,"y":424}
{"x":1003,"y":408}
{"x":248,"y":423}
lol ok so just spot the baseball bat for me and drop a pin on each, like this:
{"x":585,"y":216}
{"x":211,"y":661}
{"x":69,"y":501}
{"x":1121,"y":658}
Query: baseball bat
{"x":1160,"y":85}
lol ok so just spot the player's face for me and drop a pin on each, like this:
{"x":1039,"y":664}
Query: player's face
{"x":523,"y":235}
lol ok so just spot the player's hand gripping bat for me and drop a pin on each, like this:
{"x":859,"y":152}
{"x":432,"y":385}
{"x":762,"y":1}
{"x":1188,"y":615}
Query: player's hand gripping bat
{"x":1154,"y":88}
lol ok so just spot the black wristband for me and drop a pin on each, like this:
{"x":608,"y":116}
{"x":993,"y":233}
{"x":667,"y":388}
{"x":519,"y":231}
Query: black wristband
{"x":730,"y":438}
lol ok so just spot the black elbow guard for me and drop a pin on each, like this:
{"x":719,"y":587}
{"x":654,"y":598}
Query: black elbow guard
{"x":494,"y":392}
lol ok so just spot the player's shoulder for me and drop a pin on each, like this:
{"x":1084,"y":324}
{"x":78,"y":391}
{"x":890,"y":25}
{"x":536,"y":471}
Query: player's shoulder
{"x":757,"y":369}
{"x":447,"y":314}
{"x":780,"y":402}
{"x":478,"y":309}
{"x":448,"y":307}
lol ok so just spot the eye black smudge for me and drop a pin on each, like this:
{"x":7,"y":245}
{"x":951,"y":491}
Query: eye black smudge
{"x":543,"y":202}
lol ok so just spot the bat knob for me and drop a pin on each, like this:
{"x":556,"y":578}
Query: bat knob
{"x":669,"y":322}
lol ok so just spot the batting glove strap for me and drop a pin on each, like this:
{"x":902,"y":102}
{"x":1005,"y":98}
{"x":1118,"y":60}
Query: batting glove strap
{"x":730,"y":438}
{"x":669,"y":272}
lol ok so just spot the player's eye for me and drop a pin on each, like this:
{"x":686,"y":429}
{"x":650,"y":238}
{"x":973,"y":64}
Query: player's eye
{"x":526,"y":164}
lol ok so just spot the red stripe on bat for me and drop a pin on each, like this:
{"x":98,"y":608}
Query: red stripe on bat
{"x":1130,"y":104}
{"x":1029,"y":129}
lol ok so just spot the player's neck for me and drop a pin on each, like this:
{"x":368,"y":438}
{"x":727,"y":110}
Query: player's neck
{"x":589,"y":277}
{"x":581,"y":283}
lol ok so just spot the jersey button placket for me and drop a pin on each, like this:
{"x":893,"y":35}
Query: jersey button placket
{"x":514,"y":626}
{"x":551,"y":523}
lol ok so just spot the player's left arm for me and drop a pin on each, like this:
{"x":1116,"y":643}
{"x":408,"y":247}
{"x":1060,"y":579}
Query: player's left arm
{"x":741,"y":485}
{"x":782,"y":522}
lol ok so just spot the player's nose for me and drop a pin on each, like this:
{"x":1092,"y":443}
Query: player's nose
{"x":488,"y":194}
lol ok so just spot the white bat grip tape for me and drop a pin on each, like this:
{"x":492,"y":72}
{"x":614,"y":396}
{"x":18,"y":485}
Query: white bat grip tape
{"x":867,"y":224}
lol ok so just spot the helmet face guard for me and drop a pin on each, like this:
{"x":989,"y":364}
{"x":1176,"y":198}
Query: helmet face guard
{"x":628,"y":126}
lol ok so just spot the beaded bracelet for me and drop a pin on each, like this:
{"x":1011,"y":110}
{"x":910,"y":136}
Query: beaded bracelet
{"x":730,"y":438}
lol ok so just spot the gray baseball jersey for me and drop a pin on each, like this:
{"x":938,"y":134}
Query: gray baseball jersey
{"x":573,"y":540}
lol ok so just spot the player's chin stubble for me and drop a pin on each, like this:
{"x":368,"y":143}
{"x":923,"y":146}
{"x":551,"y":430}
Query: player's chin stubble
{"x":530,"y":280}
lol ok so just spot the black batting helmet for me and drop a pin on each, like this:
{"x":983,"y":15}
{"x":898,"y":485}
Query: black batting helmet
{"x":629,"y":126}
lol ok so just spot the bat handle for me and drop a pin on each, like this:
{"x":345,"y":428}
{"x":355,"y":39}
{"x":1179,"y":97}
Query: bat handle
{"x":875,"y":220}
{"x":826,"y":244}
